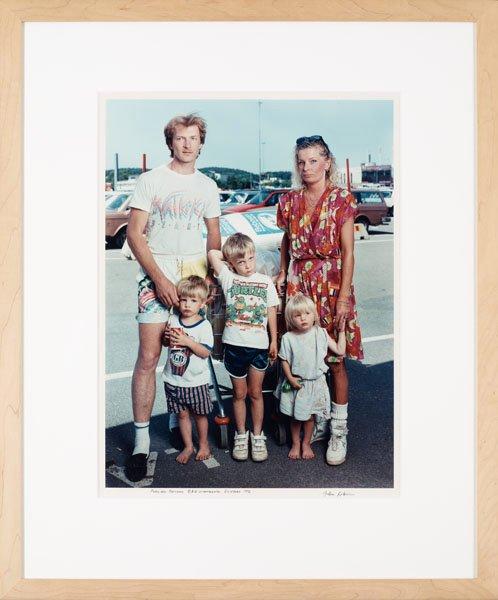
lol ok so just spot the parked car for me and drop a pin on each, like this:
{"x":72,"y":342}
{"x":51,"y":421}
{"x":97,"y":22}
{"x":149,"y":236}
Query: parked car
{"x":225,"y":196}
{"x":116,"y":219}
{"x":389,"y":197}
{"x":115,"y":200}
{"x":262,"y":199}
{"x":372,"y":207}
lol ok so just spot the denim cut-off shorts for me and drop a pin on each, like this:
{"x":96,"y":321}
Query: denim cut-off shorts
{"x":238,"y":359}
{"x":150,"y":308}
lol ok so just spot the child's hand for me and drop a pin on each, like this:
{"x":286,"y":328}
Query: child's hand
{"x":178,"y":338}
{"x":341,"y":323}
{"x":295,"y":383}
{"x":273,"y":351}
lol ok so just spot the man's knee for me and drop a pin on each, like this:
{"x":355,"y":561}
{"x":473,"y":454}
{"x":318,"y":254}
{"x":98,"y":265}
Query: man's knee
{"x":147,"y":359}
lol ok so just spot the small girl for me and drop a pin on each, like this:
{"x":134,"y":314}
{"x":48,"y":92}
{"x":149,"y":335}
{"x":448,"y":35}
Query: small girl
{"x":303,"y":390}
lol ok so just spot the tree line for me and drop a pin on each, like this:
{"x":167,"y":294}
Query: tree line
{"x":225,"y":177}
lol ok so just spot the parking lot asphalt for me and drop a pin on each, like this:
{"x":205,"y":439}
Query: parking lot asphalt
{"x":370,"y":441}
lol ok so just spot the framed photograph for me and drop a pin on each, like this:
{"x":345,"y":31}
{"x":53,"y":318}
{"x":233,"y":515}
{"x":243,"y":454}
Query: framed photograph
{"x":410,"y":512}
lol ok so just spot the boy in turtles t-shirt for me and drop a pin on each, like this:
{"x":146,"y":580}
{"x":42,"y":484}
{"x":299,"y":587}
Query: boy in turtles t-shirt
{"x":251,"y":309}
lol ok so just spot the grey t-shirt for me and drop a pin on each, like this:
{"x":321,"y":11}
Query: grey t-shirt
{"x":305,"y":352}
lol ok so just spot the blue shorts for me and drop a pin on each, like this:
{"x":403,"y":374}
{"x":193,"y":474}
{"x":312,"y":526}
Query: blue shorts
{"x":238,"y":359}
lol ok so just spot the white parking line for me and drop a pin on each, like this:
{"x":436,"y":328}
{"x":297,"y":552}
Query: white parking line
{"x":125,"y":374}
{"x":378,"y":338}
{"x":374,"y":241}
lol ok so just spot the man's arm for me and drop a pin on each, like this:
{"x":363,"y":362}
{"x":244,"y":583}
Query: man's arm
{"x":213,"y":241}
{"x":166,"y":291}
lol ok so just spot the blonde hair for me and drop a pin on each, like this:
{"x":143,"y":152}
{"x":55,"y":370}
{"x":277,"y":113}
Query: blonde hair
{"x":236,"y":246}
{"x":193,"y":287}
{"x":331,"y":175}
{"x":297,"y":304}
{"x":184,"y":121}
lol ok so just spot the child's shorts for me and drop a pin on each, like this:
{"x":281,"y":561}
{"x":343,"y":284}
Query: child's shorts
{"x":238,"y":359}
{"x":196,"y":399}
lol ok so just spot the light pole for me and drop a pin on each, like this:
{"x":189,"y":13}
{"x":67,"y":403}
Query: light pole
{"x":263,"y":157}
{"x":259,"y":140}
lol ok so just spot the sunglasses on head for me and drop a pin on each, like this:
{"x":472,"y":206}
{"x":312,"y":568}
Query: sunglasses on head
{"x":309,"y":139}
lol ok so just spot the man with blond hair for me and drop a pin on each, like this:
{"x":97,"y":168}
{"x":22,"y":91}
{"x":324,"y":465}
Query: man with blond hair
{"x":169,"y":205}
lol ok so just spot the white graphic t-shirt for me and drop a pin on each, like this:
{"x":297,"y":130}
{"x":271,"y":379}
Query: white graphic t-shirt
{"x":177,"y":205}
{"x":247,"y":302}
{"x":183,"y":368}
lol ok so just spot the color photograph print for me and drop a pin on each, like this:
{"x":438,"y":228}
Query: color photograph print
{"x":236,"y":395}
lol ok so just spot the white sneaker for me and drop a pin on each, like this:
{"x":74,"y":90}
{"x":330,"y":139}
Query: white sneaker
{"x":338,"y":444}
{"x":241,"y":446}
{"x":259,"y":453}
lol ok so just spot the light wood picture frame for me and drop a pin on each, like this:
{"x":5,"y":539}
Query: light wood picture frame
{"x":13,"y":15}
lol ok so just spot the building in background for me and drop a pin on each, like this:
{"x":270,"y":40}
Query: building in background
{"x":377,"y":174}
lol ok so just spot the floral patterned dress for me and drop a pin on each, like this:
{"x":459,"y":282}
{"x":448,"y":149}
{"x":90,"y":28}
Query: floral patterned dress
{"x":315,"y":250}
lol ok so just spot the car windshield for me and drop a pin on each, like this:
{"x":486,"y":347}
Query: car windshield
{"x":116,"y":202}
{"x":258,"y":198}
{"x":368,"y":197}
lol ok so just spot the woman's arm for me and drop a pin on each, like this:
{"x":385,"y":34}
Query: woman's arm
{"x":343,"y":305}
{"x":284,"y":263}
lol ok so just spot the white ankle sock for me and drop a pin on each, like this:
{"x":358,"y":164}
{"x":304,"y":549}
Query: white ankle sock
{"x":339,"y":411}
{"x":142,"y":439}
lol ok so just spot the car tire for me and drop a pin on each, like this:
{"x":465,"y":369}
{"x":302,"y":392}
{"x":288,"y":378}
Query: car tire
{"x":120,"y":238}
{"x":365,"y":222}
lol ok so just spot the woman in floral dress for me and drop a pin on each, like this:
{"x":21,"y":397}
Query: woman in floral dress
{"x":317,"y":259}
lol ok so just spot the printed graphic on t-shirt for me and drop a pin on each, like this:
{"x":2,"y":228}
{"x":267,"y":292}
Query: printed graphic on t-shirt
{"x":247,"y":305}
{"x":180,"y":210}
{"x":179,"y":359}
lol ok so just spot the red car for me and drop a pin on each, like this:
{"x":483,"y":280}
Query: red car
{"x":262,"y":199}
{"x":372,"y":207}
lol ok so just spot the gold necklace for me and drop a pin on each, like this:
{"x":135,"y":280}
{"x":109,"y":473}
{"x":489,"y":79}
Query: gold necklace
{"x":312,"y":201}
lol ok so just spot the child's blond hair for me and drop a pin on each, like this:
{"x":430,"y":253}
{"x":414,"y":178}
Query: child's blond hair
{"x":297,"y":304}
{"x":236,"y":246}
{"x":193,"y":287}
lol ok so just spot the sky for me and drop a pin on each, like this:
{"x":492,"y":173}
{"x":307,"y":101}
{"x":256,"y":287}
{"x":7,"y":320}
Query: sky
{"x":352,"y":128}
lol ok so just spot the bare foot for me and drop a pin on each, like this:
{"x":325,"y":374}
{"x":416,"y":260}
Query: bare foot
{"x":295,"y":452}
{"x":185,"y":455}
{"x":204,"y":452}
{"x":307,"y":452}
